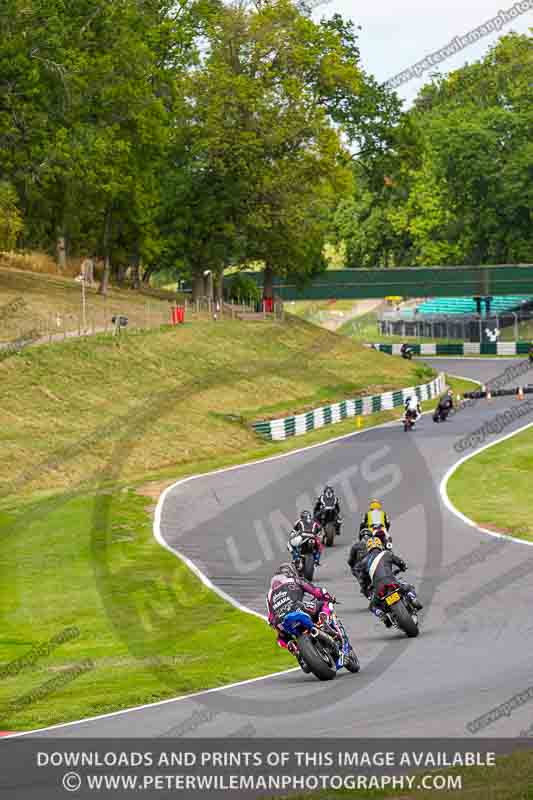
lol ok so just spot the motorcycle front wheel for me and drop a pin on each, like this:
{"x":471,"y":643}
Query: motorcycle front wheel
{"x":351,"y":662}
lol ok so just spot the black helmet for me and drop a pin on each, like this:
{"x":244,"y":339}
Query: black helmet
{"x":306,"y":517}
{"x":287,"y":569}
{"x":329,"y":495}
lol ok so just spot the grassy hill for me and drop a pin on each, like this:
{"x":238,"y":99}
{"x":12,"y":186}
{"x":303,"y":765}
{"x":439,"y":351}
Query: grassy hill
{"x":171,"y":398}
{"x":96,"y":616}
{"x":52,"y":303}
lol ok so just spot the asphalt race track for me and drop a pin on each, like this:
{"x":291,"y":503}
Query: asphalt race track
{"x":474,"y":650}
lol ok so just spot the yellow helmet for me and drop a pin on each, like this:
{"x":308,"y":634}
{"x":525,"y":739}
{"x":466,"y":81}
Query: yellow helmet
{"x":375,"y":505}
{"x":373,"y":543}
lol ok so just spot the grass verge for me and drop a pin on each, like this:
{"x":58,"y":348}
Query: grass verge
{"x":148,"y":628}
{"x":506,"y":508}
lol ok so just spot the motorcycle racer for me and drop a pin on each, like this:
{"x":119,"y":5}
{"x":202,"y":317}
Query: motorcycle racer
{"x":287,"y":593}
{"x":328,"y":500}
{"x":305,"y":528}
{"x":376,"y":569}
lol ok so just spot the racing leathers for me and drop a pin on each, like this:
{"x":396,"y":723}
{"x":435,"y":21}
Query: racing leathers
{"x":377,"y":569}
{"x":445,"y":405}
{"x":299,"y":534}
{"x":412,"y":407}
{"x":373,"y":519}
{"x":357,"y":553}
{"x":324,"y":504}
{"x":287,"y":594}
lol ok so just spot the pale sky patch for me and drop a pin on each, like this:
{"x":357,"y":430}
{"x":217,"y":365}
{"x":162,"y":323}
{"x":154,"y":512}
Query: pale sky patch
{"x":397,"y":33}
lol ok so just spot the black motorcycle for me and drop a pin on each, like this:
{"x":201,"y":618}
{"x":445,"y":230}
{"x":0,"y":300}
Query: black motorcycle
{"x":398,"y":610}
{"x":327,"y":520}
{"x":441,"y":413}
{"x":409,"y":419}
{"x":407,"y":352}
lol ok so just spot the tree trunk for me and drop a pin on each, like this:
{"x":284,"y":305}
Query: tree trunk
{"x":104,"y":285}
{"x":197,"y":286}
{"x":61,"y":251}
{"x":135,"y":268}
{"x":208,"y":285}
{"x":121,"y":274}
{"x":219,"y":286}
{"x":268,"y":282}
{"x":148,"y":272}
{"x":61,"y":240}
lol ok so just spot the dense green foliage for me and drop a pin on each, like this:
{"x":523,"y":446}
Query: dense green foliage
{"x":244,"y":289}
{"x":189,"y":136}
{"x":454,"y":185}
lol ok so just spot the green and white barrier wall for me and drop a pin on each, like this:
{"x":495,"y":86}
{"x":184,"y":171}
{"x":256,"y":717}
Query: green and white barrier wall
{"x":278,"y":429}
{"x":460,"y":348}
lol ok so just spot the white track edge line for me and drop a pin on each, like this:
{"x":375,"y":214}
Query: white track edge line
{"x":157,"y":704}
{"x":206,"y":581}
{"x":443,"y":489}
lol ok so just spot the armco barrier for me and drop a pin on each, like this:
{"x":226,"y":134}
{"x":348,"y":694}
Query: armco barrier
{"x":459,"y":348}
{"x":278,"y":429}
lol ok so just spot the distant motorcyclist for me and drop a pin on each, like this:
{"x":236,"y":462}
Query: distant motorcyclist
{"x":444,"y":407}
{"x":406,"y":351}
{"x":287,"y":593}
{"x":327,"y":501}
{"x":375,"y":518}
{"x":377,"y":567}
{"x":305,"y":527}
{"x":412,"y":407}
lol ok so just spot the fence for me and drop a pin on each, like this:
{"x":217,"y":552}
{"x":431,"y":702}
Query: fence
{"x":329,"y":415}
{"x":462,"y":327}
{"x":457,"y":281}
{"x":53,"y":326}
{"x":459,"y":348}
{"x":59,"y":325}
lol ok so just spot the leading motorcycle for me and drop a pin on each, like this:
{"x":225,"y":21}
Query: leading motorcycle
{"x":441,"y":413}
{"x":409,"y":419}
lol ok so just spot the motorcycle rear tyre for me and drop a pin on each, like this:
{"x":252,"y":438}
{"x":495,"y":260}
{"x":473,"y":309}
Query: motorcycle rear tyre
{"x":322,"y":666}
